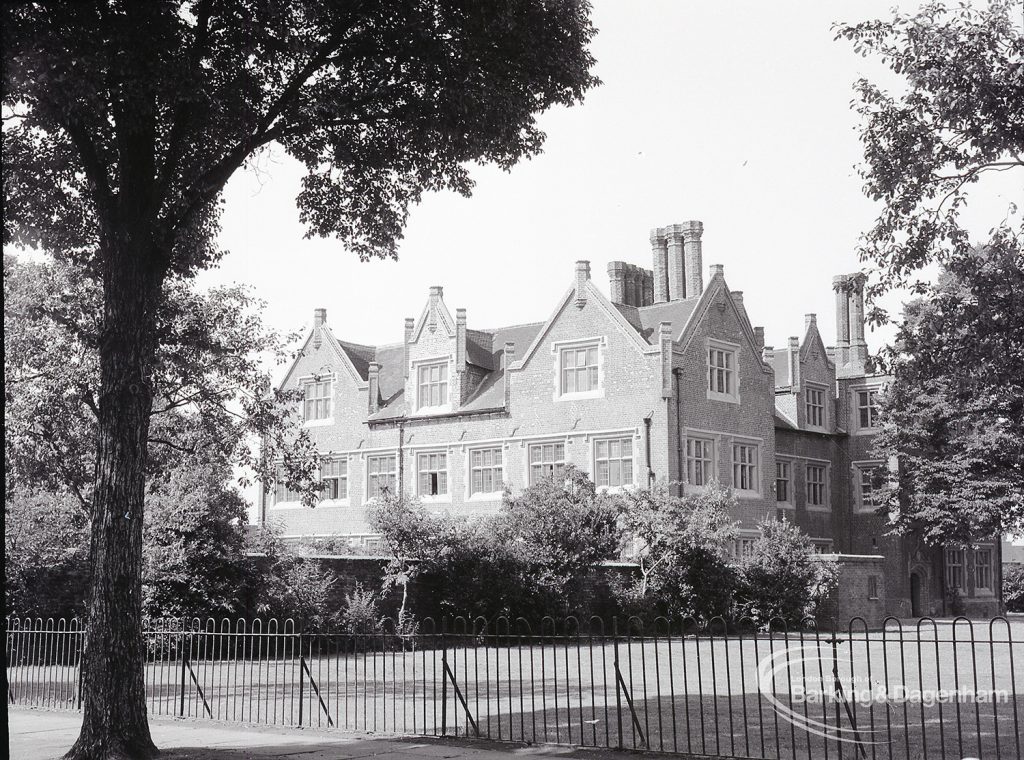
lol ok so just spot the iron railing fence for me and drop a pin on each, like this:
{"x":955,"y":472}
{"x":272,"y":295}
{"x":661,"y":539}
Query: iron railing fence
{"x":932,"y":689}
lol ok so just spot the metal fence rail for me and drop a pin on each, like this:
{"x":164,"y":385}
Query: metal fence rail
{"x":929,"y":690}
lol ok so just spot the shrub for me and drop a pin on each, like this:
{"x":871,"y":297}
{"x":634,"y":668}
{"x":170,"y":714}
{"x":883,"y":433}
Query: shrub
{"x":291,"y":586}
{"x":1013,"y":589}
{"x":683,"y":556}
{"x":782,"y":578}
{"x":361,"y":613}
{"x":530,"y":559}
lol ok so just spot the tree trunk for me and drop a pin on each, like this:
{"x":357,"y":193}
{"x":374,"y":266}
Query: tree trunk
{"x":114,"y":721}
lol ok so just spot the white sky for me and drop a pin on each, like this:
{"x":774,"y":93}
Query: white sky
{"x":736,"y":114}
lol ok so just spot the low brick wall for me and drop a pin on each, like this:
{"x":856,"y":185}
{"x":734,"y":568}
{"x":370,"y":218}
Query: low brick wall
{"x":855,"y":595}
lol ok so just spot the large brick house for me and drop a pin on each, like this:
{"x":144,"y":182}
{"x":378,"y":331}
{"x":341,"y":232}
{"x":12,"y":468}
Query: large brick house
{"x":666,"y":378}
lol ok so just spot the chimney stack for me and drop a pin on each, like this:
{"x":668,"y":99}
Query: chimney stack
{"x":717,"y":270}
{"x":319,"y":317}
{"x":759,"y":338}
{"x":794,"y":363}
{"x":676,"y":262}
{"x":858,"y":345}
{"x":582,"y":276}
{"x":410,"y":325}
{"x":374,"y":390}
{"x":460,"y":340}
{"x":665,"y":342}
{"x":617,"y":281}
{"x":768,"y":355}
{"x":659,"y":265}
{"x":839,"y":284}
{"x":506,"y":361}
{"x":810,"y":320}
{"x":693,"y":231}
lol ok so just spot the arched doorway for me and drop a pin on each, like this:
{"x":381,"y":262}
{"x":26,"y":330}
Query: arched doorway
{"x":915,"y":594}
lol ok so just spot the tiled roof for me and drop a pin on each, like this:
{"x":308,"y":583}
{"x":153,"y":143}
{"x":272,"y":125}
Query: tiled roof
{"x":483,"y":348}
{"x":646,"y":319}
{"x":360,"y":356}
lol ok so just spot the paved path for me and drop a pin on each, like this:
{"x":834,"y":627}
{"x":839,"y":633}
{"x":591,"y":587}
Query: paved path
{"x":43,"y":735}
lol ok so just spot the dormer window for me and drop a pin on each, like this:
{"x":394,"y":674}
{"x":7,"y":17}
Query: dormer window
{"x":317,"y":400}
{"x":432,"y":385}
{"x":814,"y":407}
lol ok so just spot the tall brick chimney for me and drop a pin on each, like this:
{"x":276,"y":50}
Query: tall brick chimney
{"x":794,"y":363}
{"x":410,"y":325}
{"x":839,"y":284}
{"x":659,"y":265}
{"x":319,"y":320}
{"x":665,"y":343}
{"x":617,"y":281}
{"x":507,"y":358}
{"x":374,"y":389}
{"x":582,"y":276}
{"x":851,"y":347}
{"x":693,"y":231}
{"x":858,"y":344}
{"x":676,"y":262}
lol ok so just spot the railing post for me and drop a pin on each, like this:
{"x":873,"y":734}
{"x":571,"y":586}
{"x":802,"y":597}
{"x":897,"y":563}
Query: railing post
{"x":181,"y":654}
{"x":444,"y":680}
{"x":618,"y":694}
{"x":302,"y":668}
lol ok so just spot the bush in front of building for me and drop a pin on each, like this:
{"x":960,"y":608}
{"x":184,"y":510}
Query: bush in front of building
{"x":1013,"y":588}
{"x":682,"y":551}
{"x":285,"y":584}
{"x":781,"y":579}
{"x":530,"y":559}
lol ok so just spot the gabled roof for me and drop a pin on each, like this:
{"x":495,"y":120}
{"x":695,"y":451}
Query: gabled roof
{"x":625,"y":326}
{"x":647,"y":318}
{"x":487,"y":349}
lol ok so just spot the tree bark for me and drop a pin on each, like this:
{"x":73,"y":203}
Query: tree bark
{"x":114,"y":720}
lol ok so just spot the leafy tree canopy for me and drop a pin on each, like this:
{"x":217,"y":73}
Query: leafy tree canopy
{"x":959,"y":119}
{"x":211,"y":381}
{"x":138,"y":113}
{"x":683,"y":545}
{"x":124,"y":120}
{"x":954,"y":412}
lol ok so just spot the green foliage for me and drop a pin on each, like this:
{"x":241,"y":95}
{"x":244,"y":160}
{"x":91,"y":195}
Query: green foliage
{"x":194,"y":562}
{"x":684,"y":553}
{"x":781,"y":579}
{"x":530,"y":559}
{"x":212,"y":389}
{"x":380,"y":101}
{"x":563,"y":527}
{"x":959,"y":119}
{"x":123,"y":122}
{"x":361,"y":613}
{"x":45,"y":548}
{"x":1013,"y":588}
{"x":289,"y":585}
{"x":953,"y":415}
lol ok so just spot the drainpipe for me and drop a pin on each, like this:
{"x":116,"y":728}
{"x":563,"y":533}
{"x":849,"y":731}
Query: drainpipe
{"x":680,"y":463}
{"x":401,"y":458}
{"x":647,"y":448}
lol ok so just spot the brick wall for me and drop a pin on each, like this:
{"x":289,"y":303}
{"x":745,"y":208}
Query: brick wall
{"x":853,"y":596}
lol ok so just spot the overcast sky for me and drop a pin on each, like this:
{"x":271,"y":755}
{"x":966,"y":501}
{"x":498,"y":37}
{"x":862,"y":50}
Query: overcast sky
{"x":736,"y":114}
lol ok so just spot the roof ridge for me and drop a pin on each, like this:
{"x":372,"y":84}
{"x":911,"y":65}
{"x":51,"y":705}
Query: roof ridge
{"x":510,"y":327}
